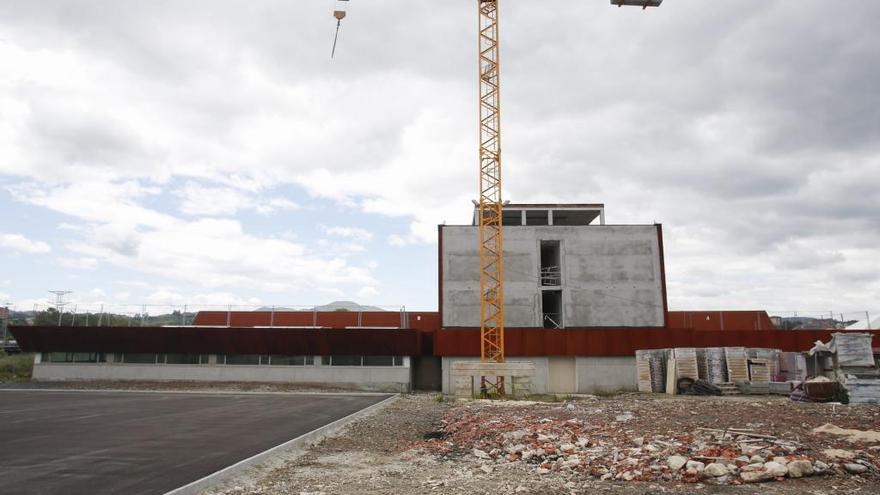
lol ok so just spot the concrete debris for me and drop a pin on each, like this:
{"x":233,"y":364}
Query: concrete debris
{"x":800,"y":468}
{"x":676,"y":462}
{"x":854,"y":468}
{"x":868,"y":436}
{"x":562,"y":440}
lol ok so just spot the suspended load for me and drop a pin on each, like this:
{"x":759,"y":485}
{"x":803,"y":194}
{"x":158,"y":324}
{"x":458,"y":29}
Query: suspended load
{"x":339,"y":14}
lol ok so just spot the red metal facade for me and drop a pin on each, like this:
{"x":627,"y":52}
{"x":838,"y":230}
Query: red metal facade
{"x":623,"y":341}
{"x":419,"y":320}
{"x":406,"y":342}
{"x":721,"y":320}
{"x":195,"y":340}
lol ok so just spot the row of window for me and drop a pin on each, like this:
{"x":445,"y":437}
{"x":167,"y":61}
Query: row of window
{"x":227,"y":359}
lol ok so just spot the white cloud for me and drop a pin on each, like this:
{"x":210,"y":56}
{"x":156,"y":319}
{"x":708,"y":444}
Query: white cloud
{"x":751,"y":134}
{"x":367,"y":293}
{"x":354,"y":233}
{"x":82,"y":263}
{"x":18,"y":242}
{"x":206,"y":252}
{"x":200,"y":200}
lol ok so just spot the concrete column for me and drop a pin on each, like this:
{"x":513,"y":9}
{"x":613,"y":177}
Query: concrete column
{"x":549,"y":217}
{"x":523,"y":217}
{"x":602,"y":216}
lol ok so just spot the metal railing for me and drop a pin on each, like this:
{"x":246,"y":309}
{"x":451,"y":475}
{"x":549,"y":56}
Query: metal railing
{"x":148,"y":315}
{"x":552,"y":320}
{"x":551,"y":276}
{"x":819,"y":319}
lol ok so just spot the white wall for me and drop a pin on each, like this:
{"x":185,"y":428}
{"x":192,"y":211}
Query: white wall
{"x":606,"y":374}
{"x":539,"y":381}
{"x":373,"y":378}
{"x":611,"y":275}
{"x":592,"y":374}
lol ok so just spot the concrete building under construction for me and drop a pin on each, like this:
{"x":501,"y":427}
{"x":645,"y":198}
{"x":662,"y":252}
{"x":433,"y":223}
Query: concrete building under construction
{"x":581,"y":296}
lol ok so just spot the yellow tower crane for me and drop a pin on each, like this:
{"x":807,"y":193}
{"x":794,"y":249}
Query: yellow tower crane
{"x":490,"y":204}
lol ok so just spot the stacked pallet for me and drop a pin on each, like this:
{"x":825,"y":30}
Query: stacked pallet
{"x":737,"y":364}
{"x":686,"y":363}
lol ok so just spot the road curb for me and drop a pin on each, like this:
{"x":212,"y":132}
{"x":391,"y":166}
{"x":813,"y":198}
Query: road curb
{"x":299,"y":442}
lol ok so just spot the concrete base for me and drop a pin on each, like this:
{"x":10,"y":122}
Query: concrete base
{"x":517,"y":376}
{"x":556,"y":375}
{"x":370,"y":378}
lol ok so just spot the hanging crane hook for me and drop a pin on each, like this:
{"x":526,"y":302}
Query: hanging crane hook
{"x":339,"y":14}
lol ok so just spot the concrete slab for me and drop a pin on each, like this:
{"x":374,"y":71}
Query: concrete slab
{"x":146,"y":443}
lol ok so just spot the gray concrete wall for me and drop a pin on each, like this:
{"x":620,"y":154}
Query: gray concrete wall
{"x":606,"y":374}
{"x":591,"y":374}
{"x":539,"y":381}
{"x":611,"y":275}
{"x":372,"y":378}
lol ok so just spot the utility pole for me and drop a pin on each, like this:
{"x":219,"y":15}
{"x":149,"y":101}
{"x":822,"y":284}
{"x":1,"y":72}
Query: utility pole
{"x":4,"y":323}
{"x":59,"y":301}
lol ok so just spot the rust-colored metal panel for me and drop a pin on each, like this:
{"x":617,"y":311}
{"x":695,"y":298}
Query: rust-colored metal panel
{"x":721,"y":320}
{"x":622,"y":341}
{"x":234,"y":340}
{"x":422,"y":320}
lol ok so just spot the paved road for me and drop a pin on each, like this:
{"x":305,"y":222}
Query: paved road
{"x":145,"y":443}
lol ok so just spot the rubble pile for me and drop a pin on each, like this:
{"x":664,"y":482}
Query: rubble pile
{"x":579,"y":438}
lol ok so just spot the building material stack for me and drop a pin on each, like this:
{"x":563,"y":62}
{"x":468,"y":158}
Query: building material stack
{"x":855,"y":367}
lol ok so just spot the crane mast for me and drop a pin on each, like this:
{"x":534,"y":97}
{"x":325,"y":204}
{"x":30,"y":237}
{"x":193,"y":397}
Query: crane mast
{"x":490,"y":204}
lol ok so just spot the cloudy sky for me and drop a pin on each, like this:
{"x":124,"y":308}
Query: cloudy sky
{"x":211,"y":152}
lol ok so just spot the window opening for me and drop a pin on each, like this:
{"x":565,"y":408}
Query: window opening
{"x":551,"y":304}
{"x":551,"y":269}
{"x":511,"y":217}
{"x":537,"y":217}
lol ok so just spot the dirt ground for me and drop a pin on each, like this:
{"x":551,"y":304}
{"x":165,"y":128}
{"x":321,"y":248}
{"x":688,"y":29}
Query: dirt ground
{"x":420,"y":444}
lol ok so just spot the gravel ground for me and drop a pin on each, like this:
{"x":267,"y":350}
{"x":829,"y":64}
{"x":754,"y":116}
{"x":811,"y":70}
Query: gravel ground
{"x":421,"y":445}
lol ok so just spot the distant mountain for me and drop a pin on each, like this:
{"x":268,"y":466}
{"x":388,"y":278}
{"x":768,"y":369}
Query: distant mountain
{"x":346,"y":306}
{"x":333,"y":306}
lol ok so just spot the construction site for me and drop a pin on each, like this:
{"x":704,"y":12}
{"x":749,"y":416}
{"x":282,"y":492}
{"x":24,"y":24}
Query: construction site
{"x":553,"y":363}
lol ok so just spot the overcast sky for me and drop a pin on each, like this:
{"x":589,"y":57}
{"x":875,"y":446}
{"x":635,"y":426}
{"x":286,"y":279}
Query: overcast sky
{"x":212,"y":152}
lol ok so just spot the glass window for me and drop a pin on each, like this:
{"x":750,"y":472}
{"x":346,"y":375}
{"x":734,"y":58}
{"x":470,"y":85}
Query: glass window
{"x":83,"y":357}
{"x":398,"y":360}
{"x":182,"y":358}
{"x":139,"y":358}
{"x":243,"y":359}
{"x":345,"y":360}
{"x":55,"y":357}
{"x":291,"y":360}
{"x":378,"y":361}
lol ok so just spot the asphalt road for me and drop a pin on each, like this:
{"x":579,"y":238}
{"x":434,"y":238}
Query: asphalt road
{"x":145,"y":443}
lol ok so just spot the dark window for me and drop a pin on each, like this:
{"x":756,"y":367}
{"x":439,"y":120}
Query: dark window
{"x":139,"y":358}
{"x":278,"y":360}
{"x":511,"y":217}
{"x":551,"y":269}
{"x":345,"y":360}
{"x":537,"y":217}
{"x":54,"y":357}
{"x":182,"y":359}
{"x":551,"y":303}
{"x":244,"y":359}
{"x":378,"y":360}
